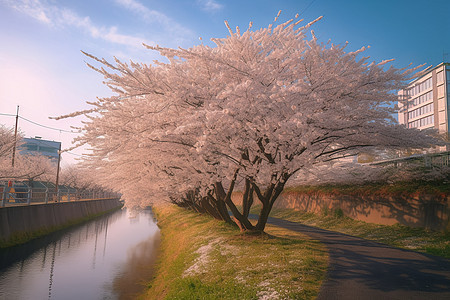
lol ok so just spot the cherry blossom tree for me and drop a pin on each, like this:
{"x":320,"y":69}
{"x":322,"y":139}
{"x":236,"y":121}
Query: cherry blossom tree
{"x":248,"y":114}
{"x":77,"y":177}
{"x":6,"y":141}
{"x":83,"y":180}
{"x":26,"y":167}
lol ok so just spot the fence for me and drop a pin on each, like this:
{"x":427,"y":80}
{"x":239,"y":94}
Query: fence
{"x":41,"y":192}
{"x":429,"y":160}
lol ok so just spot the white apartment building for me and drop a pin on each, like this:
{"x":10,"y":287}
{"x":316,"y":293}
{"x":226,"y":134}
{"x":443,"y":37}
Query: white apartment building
{"x":427,"y":100}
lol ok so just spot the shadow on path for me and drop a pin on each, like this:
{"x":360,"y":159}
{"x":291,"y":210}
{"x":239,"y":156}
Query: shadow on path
{"x":362,"y":269}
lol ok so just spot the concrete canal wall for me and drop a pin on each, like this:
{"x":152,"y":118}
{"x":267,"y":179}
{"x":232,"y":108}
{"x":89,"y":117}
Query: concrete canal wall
{"x":22,"y":222}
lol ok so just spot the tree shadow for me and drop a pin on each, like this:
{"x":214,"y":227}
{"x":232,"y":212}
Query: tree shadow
{"x":356,"y":263}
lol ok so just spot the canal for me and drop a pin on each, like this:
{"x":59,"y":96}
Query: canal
{"x":111,"y":257}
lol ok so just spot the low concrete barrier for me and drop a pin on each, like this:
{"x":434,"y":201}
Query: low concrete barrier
{"x":30,"y":220}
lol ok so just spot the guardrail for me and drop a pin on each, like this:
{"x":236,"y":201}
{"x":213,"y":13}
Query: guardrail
{"x":429,"y":160}
{"x":26,"y":195}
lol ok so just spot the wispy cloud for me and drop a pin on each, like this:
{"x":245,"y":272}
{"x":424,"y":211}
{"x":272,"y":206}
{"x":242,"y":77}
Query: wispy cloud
{"x":153,"y":16}
{"x":31,"y":8}
{"x":61,"y":17}
{"x":210,"y":5}
{"x":146,"y":13}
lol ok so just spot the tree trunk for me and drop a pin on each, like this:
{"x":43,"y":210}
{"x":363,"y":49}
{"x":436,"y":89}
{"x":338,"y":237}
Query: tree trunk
{"x":239,"y":219}
{"x":263,"y":217}
{"x":221,"y":208}
{"x":268,"y":199}
{"x":211,"y":209}
{"x":247,"y":199}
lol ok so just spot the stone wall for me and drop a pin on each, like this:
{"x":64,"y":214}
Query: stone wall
{"x":30,"y":219}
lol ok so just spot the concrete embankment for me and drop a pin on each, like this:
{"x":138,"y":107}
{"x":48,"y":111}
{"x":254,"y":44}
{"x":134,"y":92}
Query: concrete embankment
{"x":20,"y":223}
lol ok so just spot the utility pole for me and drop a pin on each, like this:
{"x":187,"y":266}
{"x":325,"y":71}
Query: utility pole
{"x":57,"y":172}
{"x":15,"y":137}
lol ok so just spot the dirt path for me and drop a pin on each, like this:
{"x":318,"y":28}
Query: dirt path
{"x":362,"y":269}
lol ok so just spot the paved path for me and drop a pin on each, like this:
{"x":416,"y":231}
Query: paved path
{"x":362,"y":269}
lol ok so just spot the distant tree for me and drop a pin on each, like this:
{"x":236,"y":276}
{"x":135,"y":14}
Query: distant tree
{"x":252,"y":111}
{"x":26,"y":167}
{"x":6,"y":141}
{"x":79,"y":177}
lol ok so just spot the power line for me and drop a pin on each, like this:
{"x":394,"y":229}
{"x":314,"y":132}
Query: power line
{"x":9,"y":115}
{"x":35,"y":123}
{"x":74,"y":153}
{"x":310,"y":3}
{"x":48,"y":127}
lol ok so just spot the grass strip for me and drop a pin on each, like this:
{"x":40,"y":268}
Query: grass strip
{"x":440,"y":188}
{"x":202,"y":258}
{"x":417,"y":239}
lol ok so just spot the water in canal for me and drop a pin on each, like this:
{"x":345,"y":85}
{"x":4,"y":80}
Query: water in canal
{"x":107,"y":258}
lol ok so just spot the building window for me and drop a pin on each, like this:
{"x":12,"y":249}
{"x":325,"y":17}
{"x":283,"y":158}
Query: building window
{"x":440,"y":77}
{"x":48,"y":149}
{"x":422,"y":122}
{"x":421,"y":99}
{"x":421,"y":87}
{"x":421,"y":111}
{"x":31,"y":147}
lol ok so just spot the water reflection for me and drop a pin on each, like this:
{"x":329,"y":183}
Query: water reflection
{"x":108,"y":258}
{"x":137,"y":269}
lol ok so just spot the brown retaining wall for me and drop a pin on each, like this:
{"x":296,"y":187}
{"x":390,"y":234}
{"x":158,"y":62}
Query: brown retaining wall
{"x":42,"y":217}
{"x":426,"y":211}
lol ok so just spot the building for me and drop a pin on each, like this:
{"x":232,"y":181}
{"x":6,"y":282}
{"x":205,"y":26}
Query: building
{"x":39,"y":146}
{"x":426,"y":100}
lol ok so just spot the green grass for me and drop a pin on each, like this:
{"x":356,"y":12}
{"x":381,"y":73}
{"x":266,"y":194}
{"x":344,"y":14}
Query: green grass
{"x":437,"y":188}
{"x":417,"y":239}
{"x":202,"y":258}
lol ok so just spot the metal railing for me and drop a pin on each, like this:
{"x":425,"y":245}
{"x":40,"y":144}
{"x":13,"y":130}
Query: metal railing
{"x":429,"y":160}
{"x":24,"y":194}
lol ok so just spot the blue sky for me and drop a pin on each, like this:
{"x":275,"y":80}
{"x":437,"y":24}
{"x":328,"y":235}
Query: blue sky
{"x":43,"y":70}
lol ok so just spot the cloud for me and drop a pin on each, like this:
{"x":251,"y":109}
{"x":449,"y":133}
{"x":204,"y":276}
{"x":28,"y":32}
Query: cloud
{"x":31,"y":8}
{"x":113,"y":36}
{"x":209,"y":5}
{"x":54,"y":16}
{"x":144,"y":12}
{"x":153,"y":16}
